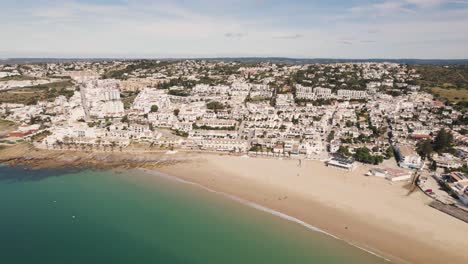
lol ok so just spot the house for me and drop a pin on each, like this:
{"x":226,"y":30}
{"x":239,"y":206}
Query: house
{"x":461,"y":190}
{"x":407,"y":157}
{"x":447,"y":161}
{"x":278,"y":149}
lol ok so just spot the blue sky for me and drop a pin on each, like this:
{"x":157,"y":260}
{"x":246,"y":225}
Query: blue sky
{"x":213,"y":28}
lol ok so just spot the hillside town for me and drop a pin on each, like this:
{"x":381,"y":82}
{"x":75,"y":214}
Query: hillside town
{"x":341,"y":113}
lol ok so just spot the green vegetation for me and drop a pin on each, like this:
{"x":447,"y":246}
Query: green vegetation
{"x":331,"y":136}
{"x":181,"y":133}
{"x":137,"y":65}
{"x":350,"y":79}
{"x":125,"y":119}
{"x":318,"y":102}
{"x":40,"y":136}
{"x":450,"y":83}
{"x":210,"y":81}
{"x":178,"y":92}
{"x":195,"y":126}
{"x":260,"y":148}
{"x":18,"y":78}
{"x":442,"y":144}
{"x":464,"y":169}
{"x":424,"y":148}
{"x":31,"y":95}
{"x":128,"y":98}
{"x":154,"y":108}
{"x":364,"y":155}
{"x":256,"y":99}
{"x":189,"y":84}
{"x":443,"y":141}
{"x":389,"y":153}
{"x":450,"y":94}
{"x":215,"y":106}
{"x":344,"y":151}
{"x":454,"y":76}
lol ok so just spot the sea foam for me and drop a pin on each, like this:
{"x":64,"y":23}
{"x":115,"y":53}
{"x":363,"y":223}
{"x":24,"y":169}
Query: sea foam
{"x":261,"y":208}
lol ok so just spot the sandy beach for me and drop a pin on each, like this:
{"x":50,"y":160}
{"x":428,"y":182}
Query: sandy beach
{"x":369,"y":212}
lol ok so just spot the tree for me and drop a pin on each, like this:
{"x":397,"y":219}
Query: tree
{"x":389,"y":153}
{"x":443,"y":141}
{"x":433,"y":165}
{"x":364,"y":155}
{"x":424,"y":149}
{"x":113,"y":145}
{"x":344,"y":151}
{"x":176,"y":112}
{"x":215,"y":106}
{"x":331,"y":136}
{"x":125,"y":119}
{"x":154,"y":108}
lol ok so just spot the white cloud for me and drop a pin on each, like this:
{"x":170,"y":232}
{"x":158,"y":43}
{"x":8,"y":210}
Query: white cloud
{"x":397,"y":28}
{"x":294,"y":36}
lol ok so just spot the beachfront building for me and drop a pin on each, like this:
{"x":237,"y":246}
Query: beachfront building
{"x":377,"y":172}
{"x":447,"y":161}
{"x":460,"y":188}
{"x":225,"y":145}
{"x":407,"y":157}
{"x":341,"y":163}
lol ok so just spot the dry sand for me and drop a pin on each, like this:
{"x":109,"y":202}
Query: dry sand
{"x":369,"y":212}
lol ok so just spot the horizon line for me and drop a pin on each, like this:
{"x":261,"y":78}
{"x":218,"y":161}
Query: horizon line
{"x":223,"y":57}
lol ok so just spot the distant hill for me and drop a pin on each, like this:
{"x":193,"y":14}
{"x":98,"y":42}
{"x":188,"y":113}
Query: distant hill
{"x":245,"y":59}
{"x":330,"y":60}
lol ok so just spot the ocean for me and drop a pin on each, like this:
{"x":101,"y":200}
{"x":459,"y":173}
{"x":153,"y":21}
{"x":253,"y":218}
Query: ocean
{"x":88,"y":216}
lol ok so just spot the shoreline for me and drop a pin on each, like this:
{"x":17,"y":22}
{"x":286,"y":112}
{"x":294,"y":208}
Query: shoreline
{"x":367,"y":212}
{"x":263,"y":209}
{"x":398,"y":227}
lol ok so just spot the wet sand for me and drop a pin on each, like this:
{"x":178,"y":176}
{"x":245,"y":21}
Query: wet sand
{"x":369,"y":212}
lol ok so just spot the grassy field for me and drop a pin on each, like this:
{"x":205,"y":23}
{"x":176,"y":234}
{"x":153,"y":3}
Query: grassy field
{"x":448,"y":83}
{"x":455,"y":76}
{"x":30,"y":95}
{"x":450,"y":94}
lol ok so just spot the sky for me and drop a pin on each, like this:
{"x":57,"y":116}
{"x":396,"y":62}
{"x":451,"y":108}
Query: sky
{"x":360,"y":29}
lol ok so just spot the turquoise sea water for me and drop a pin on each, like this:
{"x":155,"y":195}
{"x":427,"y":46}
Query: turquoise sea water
{"x":108,"y":217}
